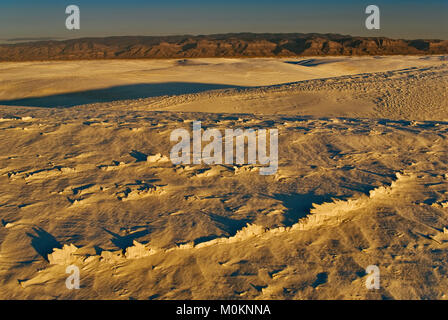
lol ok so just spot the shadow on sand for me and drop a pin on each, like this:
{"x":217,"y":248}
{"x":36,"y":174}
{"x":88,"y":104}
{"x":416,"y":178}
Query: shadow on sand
{"x":43,"y":242}
{"x":313,"y":62}
{"x":126,"y":241}
{"x":228,"y":225}
{"x":116,"y":93}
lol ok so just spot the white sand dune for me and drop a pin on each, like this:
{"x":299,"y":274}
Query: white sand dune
{"x":85,"y":179}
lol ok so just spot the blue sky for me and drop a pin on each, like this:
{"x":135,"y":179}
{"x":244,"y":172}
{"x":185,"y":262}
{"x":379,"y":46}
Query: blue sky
{"x":46,"y":18}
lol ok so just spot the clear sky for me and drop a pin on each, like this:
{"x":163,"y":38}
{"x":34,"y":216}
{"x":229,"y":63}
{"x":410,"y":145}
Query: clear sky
{"x":46,"y":18}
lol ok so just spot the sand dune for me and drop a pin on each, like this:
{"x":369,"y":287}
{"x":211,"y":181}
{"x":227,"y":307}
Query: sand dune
{"x":86,"y":179}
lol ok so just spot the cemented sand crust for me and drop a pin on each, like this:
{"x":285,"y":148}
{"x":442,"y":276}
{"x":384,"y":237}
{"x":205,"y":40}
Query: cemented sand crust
{"x":85,"y":179}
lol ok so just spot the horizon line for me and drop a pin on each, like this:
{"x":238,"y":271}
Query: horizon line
{"x":17,"y":40}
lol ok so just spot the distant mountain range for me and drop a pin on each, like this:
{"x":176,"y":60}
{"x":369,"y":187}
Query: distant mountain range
{"x":217,"y":45}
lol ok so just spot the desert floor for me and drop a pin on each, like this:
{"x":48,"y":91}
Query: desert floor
{"x":85,"y":179}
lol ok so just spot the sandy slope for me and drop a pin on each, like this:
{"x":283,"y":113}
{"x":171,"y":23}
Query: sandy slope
{"x":361,"y":180}
{"x":29,"y":79}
